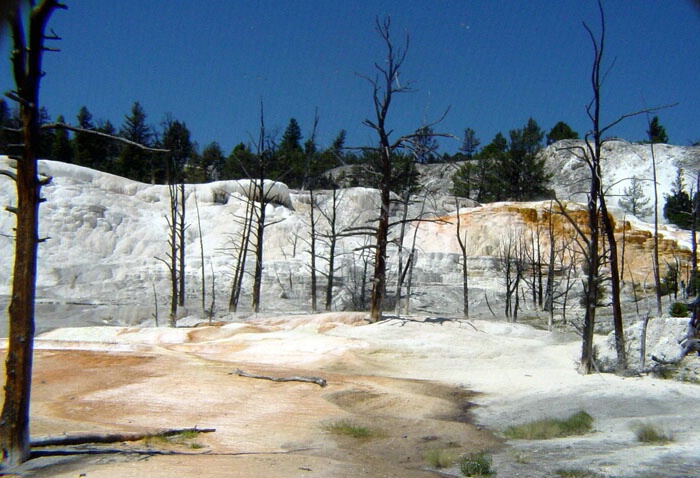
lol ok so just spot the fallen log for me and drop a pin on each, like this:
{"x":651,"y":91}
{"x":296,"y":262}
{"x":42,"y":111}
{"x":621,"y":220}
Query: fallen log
{"x":67,"y":440}
{"x":317,"y":380}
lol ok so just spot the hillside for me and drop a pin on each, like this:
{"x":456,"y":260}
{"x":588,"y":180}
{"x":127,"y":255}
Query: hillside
{"x":106,"y":234}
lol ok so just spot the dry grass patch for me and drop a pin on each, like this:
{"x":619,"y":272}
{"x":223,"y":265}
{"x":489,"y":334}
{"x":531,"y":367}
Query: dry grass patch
{"x":579,"y":423}
{"x":348,"y":428}
{"x":650,"y":433}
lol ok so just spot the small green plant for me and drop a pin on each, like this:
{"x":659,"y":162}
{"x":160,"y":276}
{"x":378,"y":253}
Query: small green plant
{"x":476,"y":464}
{"x":679,"y":309}
{"x":346,"y":427}
{"x":650,"y":433}
{"x":438,"y":458}
{"x":577,"y":424}
{"x":186,"y":438}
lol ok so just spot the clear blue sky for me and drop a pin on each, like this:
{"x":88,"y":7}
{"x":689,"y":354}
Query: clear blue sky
{"x":494,"y":63}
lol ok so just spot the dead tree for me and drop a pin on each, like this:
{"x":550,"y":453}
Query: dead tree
{"x":385,"y":85}
{"x":462,"y":241}
{"x":511,"y":265}
{"x":312,"y":250}
{"x":201,"y":252}
{"x":241,"y":248}
{"x":27,"y":54}
{"x":331,"y":236}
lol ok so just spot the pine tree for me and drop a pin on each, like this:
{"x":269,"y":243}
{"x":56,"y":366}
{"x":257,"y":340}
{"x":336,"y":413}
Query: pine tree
{"x":176,"y":139}
{"x":106,"y":150}
{"x":656,"y":132}
{"x":523,"y":172}
{"x":559,"y":132}
{"x":678,"y":209}
{"x":210,"y":164}
{"x":492,"y":156}
{"x":470,"y":144}
{"x":634,"y":201}
{"x":84,"y":144}
{"x":133,"y":162}
{"x":290,"y":162}
{"x":61,"y":149}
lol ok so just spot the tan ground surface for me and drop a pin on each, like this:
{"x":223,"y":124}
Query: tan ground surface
{"x":263,"y":428}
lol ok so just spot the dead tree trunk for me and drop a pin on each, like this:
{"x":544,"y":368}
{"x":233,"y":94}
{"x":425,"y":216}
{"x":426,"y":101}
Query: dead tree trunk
{"x":384,"y":88}
{"x":312,"y":240}
{"x":27,"y":53}
{"x":181,"y":228}
{"x":462,"y":241}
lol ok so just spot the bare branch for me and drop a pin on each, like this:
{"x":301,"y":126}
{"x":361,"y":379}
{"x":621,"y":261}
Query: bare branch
{"x":102,"y":135}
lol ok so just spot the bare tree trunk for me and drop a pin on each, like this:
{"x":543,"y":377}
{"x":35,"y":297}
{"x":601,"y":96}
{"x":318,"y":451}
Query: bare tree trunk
{"x":259,"y":234}
{"x":401,"y":269}
{"x":382,"y":95}
{"x":238,"y":273}
{"x":27,"y":69}
{"x":314,"y":306}
{"x":462,"y":241}
{"x":181,"y":245}
{"x":620,"y":348}
{"x":657,"y":269}
{"x":172,"y":255}
{"x":201,"y":253}
{"x":332,"y":217}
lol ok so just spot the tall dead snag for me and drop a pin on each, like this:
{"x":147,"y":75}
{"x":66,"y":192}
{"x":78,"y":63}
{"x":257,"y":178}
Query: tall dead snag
{"x":597,"y":210}
{"x":462,"y":241}
{"x":333,"y":233}
{"x":384,"y":85}
{"x":27,"y":51}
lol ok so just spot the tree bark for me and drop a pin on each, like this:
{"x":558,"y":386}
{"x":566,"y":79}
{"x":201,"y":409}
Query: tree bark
{"x":27,"y":70}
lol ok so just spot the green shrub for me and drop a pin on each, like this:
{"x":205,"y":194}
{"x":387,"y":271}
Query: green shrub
{"x":649,"y":433}
{"x":476,"y":464}
{"x":679,"y":309}
{"x":547,"y":428}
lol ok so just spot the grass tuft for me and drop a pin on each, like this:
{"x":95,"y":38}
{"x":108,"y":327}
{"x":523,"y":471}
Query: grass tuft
{"x":579,"y":423}
{"x":649,"y":433}
{"x":476,"y":464}
{"x":346,"y":427}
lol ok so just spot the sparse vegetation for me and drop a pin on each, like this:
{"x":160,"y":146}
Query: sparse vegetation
{"x":186,"y":438}
{"x":576,"y":473}
{"x":477,"y":464}
{"x":439,"y":458}
{"x":346,"y":427}
{"x":579,"y":423}
{"x":679,"y":309}
{"x":651,"y":434}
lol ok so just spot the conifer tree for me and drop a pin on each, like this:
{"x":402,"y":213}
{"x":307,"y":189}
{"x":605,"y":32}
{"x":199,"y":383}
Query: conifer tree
{"x":135,"y":163}
{"x":61,"y":149}
{"x":678,"y":209}
{"x":290,"y":163}
{"x":559,"y":132}
{"x":470,"y":144}
{"x":84,"y":144}
{"x":634,"y":201}
{"x":656,"y":132}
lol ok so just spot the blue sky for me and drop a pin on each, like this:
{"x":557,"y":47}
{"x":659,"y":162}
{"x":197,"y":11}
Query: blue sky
{"x":493,"y":63}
